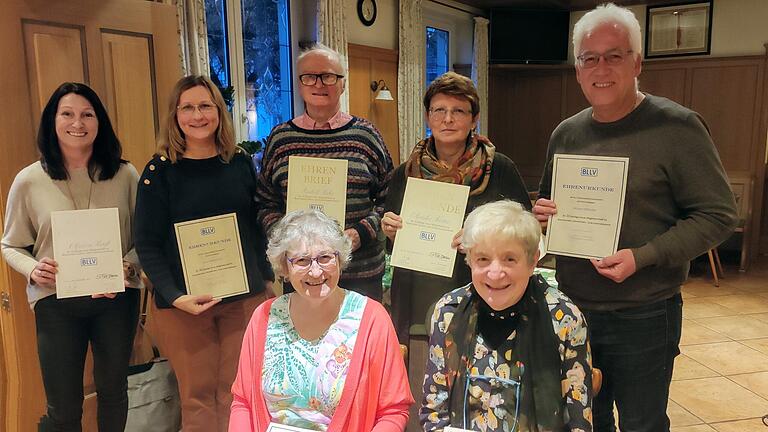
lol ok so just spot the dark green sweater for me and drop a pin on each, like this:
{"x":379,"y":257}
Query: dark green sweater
{"x":678,"y":202}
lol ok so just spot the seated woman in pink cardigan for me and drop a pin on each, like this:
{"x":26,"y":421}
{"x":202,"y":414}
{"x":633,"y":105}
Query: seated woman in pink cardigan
{"x":321,"y":358}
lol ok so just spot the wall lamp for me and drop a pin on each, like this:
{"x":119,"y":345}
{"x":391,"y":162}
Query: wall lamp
{"x":383,"y":92}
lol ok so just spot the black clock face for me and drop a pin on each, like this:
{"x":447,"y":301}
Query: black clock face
{"x":366,"y":11}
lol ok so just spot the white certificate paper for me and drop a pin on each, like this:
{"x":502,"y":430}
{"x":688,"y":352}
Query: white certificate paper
{"x":276,"y":427}
{"x":212,"y":256}
{"x":318,"y":183}
{"x":589,"y":192}
{"x":432,"y":212}
{"x":88,"y":249}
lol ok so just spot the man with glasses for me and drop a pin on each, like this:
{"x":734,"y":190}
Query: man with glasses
{"x":325,"y":131}
{"x":678,"y":205}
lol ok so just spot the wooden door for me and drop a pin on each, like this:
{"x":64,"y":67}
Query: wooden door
{"x":127,"y":51}
{"x":368,"y":64}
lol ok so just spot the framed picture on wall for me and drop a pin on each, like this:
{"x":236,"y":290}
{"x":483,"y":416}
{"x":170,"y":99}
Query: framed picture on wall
{"x":678,"y":29}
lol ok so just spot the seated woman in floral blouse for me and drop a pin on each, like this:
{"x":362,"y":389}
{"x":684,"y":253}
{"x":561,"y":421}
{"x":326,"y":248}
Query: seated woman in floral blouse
{"x":321,"y":358}
{"x":507,"y":352}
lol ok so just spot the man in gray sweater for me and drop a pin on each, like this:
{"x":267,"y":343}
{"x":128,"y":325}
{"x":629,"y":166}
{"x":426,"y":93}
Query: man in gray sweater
{"x":678,"y":205}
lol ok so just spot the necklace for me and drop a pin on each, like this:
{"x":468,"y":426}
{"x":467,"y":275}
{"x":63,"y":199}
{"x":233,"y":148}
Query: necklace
{"x":72,"y":196}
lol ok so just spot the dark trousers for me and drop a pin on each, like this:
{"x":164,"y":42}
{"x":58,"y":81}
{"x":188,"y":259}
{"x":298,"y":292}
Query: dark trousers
{"x":635,"y":348}
{"x":64,"y":329}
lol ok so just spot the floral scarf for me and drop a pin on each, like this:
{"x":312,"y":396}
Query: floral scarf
{"x":473,"y":168}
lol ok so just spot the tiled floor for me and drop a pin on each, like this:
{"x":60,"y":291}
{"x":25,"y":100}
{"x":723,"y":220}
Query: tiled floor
{"x":721,"y":377}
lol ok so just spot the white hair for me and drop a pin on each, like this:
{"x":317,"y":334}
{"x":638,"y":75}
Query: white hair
{"x":320,"y":49}
{"x":501,"y":222}
{"x":608,"y":13}
{"x":301,"y":228}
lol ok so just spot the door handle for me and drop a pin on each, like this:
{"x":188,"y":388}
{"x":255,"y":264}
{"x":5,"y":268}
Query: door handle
{"x":5,"y":302}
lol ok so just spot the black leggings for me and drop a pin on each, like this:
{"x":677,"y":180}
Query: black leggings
{"x":64,"y":329}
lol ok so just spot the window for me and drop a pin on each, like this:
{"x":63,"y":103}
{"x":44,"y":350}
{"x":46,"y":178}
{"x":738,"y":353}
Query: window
{"x":437,"y":53}
{"x":249,"y":50}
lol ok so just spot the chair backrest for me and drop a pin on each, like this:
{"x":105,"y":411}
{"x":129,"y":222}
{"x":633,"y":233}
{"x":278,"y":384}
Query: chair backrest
{"x":742,"y":192}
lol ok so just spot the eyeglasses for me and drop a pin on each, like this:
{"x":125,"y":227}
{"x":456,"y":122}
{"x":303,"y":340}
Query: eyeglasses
{"x":505,"y":382}
{"x":304,"y":263}
{"x":189,"y":109}
{"x":326,"y":78}
{"x":438,"y":114}
{"x":613,"y":57}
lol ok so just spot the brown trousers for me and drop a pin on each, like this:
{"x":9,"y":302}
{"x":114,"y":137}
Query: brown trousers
{"x":204,"y":351}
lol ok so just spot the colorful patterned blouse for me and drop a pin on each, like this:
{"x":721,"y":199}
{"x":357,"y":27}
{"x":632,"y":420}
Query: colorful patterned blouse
{"x":303,"y":380}
{"x":487,"y":411}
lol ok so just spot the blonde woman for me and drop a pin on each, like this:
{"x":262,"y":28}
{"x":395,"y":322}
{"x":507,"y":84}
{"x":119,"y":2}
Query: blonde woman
{"x":197,"y":173}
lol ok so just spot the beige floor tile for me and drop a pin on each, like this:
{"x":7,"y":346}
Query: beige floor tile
{"x":757,"y":382}
{"x":697,"y":428}
{"x":743,"y":303}
{"x":751,"y":425}
{"x":737,"y":327}
{"x":686,"y":295}
{"x":695,"y":333}
{"x":758,"y":344}
{"x":687,"y":368}
{"x":679,"y":416}
{"x":717,"y":399}
{"x":707,"y":289}
{"x":745,"y":282}
{"x":762,"y":317}
{"x":704,"y":307}
{"x":727,"y":358}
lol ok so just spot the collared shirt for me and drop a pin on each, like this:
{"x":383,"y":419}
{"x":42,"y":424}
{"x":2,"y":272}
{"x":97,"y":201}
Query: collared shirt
{"x":338,"y":120}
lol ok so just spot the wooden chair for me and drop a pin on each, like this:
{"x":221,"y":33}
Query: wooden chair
{"x":742,"y":193}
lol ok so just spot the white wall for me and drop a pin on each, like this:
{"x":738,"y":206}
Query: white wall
{"x":739,"y":27}
{"x":382,"y":34}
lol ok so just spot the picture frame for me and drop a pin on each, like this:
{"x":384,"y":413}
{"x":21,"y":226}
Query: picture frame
{"x":680,"y":29}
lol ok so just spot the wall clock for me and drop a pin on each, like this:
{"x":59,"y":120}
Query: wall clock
{"x":366,"y":11}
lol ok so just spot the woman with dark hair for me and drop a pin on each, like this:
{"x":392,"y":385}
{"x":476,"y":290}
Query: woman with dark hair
{"x":198,"y":172}
{"x":454,"y":153}
{"x":79,"y":168}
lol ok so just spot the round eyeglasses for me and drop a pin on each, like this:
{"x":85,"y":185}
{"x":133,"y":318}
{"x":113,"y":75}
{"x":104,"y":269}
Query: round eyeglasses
{"x":304,"y":263}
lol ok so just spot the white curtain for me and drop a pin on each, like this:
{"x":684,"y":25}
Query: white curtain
{"x":410,"y":76}
{"x":193,"y":36}
{"x":480,"y":69}
{"x":332,"y":31}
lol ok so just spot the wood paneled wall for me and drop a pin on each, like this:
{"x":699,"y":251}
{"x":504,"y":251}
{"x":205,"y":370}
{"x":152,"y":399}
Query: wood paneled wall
{"x":527,"y":102}
{"x":367,"y":64}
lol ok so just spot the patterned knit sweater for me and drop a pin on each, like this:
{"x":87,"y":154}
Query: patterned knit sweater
{"x":370,"y":167}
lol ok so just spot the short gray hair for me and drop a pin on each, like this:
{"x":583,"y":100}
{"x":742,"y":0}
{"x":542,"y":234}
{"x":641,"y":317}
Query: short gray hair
{"x":499,"y":222}
{"x":306,"y":227}
{"x":320,"y":49}
{"x":608,"y":13}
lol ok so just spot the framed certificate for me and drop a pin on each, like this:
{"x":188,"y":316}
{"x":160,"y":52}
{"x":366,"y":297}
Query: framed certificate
{"x":276,"y":427}
{"x":88,"y":249}
{"x":432,"y":212}
{"x":212,"y":256}
{"x":318,"y":183}
{"x":589,"y":192}
{"x":680,"y":29}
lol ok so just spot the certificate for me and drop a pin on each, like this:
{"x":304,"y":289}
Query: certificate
{"x":277,"y":427}
{"x":432,"y":212}
{"x":88,"y":249}
{"x":318,"y":183}
{"x":589,"y":192}
{"x":212,"y":256}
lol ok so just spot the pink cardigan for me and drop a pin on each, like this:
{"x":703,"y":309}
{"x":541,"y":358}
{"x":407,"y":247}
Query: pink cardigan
{"x":376,"y":393}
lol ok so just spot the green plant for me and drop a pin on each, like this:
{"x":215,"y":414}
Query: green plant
{"x":251,"y":147}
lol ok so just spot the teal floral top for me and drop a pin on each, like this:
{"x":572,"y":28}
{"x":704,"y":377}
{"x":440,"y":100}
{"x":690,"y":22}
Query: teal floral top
{"x":303,"y":380}
{"x":487,"y":411}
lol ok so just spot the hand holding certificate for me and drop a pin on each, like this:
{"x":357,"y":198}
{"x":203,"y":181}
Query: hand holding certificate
{"x":589,"y":192}
{"x":211,"y":256}
{"x":88,"y":249}
{"x":318,"y":183}
{"x":432,"y":213}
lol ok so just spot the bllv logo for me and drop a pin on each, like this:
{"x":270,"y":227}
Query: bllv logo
{"x":588,"y":172}
{"x":87,"y":262}
{"x":426,"y":235}
{"x":207,"y":231}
